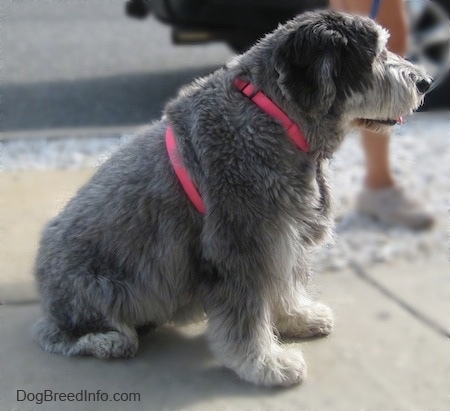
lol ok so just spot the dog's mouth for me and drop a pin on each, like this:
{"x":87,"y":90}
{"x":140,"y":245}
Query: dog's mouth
{"x":368,"y":122}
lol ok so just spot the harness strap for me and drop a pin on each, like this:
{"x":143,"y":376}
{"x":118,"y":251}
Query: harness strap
{"x":268,"y":106}
{"x":181,"y":171}
{"x":262,"y":101}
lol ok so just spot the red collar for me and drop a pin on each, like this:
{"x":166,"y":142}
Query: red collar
{"x":267,"y":105}
{"x":262,"y":101}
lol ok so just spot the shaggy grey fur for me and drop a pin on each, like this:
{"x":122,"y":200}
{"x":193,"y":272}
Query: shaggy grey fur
{"x":130,"y":249}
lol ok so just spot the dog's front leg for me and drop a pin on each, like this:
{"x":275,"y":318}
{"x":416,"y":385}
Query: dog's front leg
{"x":237,"y":300}
{"x":312,"y":319}
{"x":241,"y":335}
{"x":297,"y":315}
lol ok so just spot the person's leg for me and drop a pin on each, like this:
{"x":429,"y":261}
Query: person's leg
{"x":376,"y":152}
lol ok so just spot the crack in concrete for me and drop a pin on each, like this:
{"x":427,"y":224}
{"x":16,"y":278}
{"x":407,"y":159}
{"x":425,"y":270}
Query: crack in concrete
{"x":418,"y":315}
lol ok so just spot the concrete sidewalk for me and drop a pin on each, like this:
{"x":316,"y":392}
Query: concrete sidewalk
{"x":28,"y":199}
{"x":389,"y":351}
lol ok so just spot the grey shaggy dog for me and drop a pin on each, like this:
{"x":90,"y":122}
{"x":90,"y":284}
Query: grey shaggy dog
{"x":131,"y":249}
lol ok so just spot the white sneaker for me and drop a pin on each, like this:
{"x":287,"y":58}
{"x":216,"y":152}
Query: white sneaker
{"x":394,"y":207}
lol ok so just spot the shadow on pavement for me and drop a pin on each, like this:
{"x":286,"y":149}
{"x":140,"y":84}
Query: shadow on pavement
{"x":172,"y":370}
{"x":120,"y":100}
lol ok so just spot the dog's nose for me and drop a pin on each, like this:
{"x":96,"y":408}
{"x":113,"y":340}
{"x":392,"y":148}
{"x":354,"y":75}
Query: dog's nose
{"x":424,"y":85}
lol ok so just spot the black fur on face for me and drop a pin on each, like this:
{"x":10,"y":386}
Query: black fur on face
{"x":325,"y":57}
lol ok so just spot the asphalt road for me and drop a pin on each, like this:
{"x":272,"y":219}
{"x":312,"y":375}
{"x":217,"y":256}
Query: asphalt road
{"x":85,"y":65}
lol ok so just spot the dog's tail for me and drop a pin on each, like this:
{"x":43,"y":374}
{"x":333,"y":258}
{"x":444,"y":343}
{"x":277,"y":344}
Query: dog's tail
{"x":110,"y":344}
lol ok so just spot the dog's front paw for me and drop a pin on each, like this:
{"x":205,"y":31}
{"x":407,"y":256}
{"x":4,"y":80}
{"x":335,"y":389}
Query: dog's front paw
{"x":319,"y":320}
{"x":284,"y":368}
{"x":313,"y":320}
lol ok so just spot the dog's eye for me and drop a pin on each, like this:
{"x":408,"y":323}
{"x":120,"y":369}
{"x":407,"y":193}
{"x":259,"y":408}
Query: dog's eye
{"x":383,"y":54}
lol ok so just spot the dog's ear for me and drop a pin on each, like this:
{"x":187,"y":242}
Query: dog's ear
{"x":307,"y":65}
{"x":324,"y":56}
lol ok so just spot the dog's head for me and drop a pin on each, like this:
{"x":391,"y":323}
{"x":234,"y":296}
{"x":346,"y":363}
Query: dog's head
{"x":330,"y":63}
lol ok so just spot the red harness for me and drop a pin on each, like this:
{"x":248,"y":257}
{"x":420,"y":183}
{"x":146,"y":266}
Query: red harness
{"x":262,"y":101}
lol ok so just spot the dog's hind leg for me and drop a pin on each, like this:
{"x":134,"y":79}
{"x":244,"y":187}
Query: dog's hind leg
{"x":109,"y":344}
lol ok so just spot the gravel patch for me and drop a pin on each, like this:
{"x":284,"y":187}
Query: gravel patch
{"x":420,"y":157}
{"x":67,"y":153}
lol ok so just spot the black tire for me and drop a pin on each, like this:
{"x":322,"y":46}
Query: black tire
{"x":430,"y":47}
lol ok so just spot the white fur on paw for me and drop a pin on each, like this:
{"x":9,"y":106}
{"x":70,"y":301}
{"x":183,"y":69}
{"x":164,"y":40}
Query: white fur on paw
{"x":111,"y":344}
{"x":284,"y":368}
{"x":313,"y":320}
{"x":321,"y":319}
